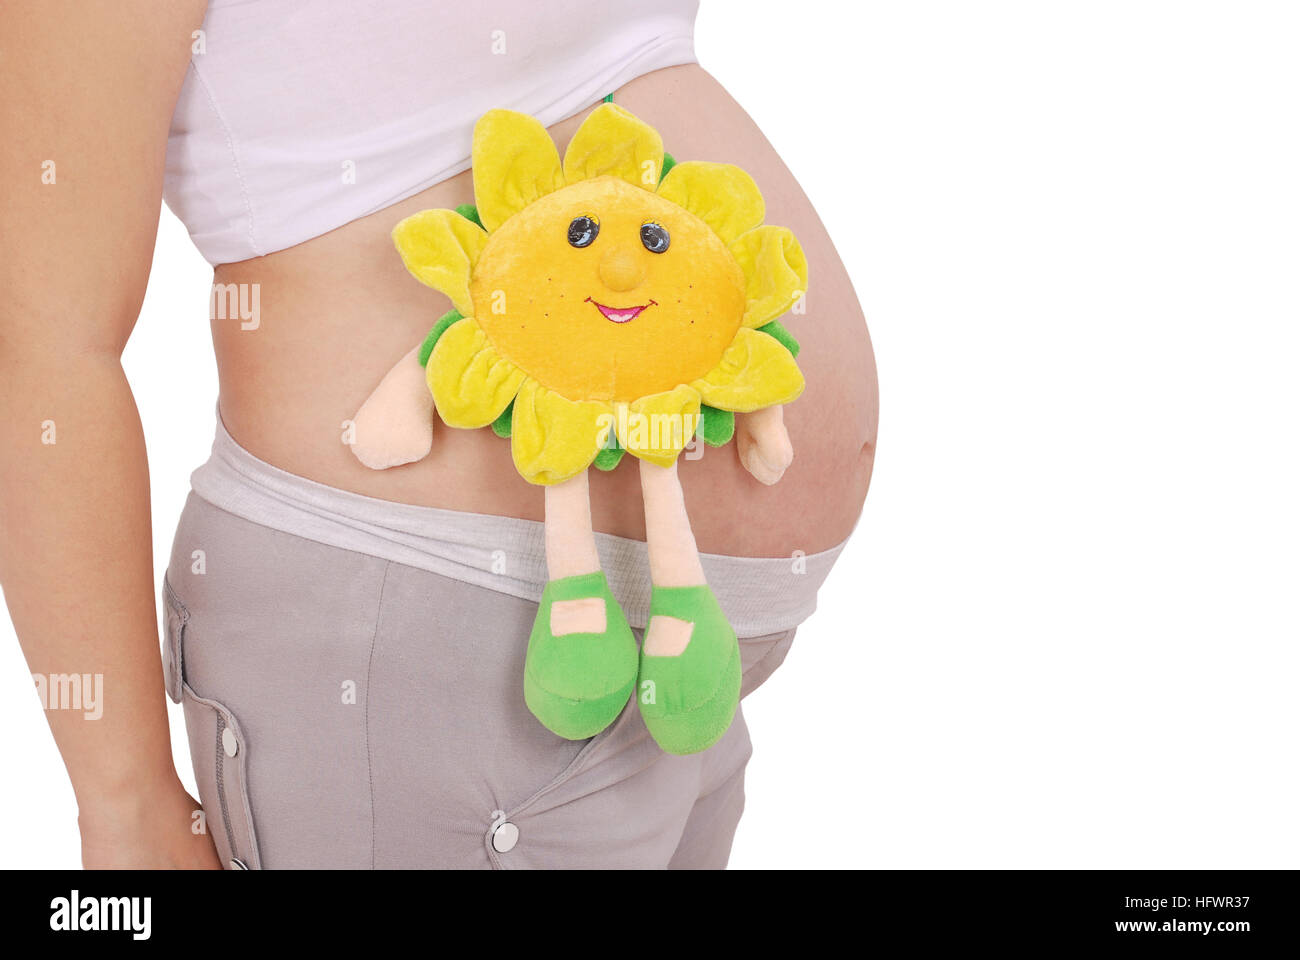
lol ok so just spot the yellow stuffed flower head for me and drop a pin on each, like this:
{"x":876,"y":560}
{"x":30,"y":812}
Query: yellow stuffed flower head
{"x":601,"y":295}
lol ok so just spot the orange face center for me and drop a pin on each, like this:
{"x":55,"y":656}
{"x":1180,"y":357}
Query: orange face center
{"x":610,"y":319}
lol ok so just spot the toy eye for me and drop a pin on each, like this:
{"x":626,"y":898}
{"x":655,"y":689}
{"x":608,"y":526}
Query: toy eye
{"x":583,"y":230}
{"x":654,"y":238}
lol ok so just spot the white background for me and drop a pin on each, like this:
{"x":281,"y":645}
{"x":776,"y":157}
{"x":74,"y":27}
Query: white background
{"x":1065,"y":633}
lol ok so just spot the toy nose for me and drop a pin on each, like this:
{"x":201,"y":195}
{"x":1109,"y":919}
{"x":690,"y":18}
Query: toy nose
{"x":619,"y":270}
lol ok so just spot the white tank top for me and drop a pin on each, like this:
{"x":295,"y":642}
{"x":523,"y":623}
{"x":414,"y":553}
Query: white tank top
{"x":298,"y":116}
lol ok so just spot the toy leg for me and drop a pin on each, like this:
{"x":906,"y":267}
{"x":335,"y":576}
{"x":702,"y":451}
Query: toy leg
{"x":582,"y":658}
{"x":690,"y":661}
{"x":571,"y":552}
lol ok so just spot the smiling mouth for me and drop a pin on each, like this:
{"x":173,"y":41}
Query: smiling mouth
{"x":620,"y":314}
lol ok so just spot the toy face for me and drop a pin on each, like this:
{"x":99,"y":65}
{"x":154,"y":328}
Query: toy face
{"x":605,"y":291}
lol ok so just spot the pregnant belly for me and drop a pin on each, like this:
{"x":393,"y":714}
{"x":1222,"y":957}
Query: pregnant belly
{"x":338,"y":311}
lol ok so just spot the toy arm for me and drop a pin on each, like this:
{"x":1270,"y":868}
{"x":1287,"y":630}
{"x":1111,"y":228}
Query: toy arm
{"x":764,"y":444}
{"x":395,"y":424}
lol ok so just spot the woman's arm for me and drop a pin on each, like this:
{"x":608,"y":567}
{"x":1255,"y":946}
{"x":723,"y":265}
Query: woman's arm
{"x":87,"y":92}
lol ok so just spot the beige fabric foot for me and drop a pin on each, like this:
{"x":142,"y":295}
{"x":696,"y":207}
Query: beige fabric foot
{"x":578,"y":616}
{"x":667,"y":636}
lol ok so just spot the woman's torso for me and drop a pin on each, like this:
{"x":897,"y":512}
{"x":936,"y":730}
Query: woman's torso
{"x":336,"y":311}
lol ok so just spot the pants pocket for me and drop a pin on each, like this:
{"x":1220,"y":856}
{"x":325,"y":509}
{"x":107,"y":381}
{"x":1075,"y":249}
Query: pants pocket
{"x":218,"y":749}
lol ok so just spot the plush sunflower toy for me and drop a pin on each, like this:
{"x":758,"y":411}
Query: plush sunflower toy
{"x":616,"y":303}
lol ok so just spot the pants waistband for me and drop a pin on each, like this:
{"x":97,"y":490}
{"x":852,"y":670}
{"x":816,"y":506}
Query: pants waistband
{"x":760,"y":595}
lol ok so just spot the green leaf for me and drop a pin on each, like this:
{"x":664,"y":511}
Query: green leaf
{"x":439,"y":328}
{"x":782,"y":336}
{"x":502,"y":425}
{"x":469,"y":212}
{"x":716,"y":426}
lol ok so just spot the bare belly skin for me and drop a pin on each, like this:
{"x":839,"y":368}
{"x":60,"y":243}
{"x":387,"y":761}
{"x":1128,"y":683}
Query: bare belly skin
{"x":338,"y":311}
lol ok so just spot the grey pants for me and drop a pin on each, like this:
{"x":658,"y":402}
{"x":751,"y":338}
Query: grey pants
{"x":347,"y":710}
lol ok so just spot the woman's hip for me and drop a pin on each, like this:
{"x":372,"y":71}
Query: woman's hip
{"x":348,"y":710}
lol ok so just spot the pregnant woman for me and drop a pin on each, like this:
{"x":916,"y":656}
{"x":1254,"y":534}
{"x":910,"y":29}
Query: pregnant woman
{"x":349,"y":643}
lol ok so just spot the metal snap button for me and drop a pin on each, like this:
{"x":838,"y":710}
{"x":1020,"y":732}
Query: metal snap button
{"x":504,"y":837}
{"x":229,"y":742}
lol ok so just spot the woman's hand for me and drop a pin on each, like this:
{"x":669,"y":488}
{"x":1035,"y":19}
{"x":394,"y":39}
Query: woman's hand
{"x":764,"y":444}
{"x":159,"y":828}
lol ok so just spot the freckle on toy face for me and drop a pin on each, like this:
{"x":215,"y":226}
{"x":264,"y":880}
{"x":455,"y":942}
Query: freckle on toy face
{"x":568,"y":316}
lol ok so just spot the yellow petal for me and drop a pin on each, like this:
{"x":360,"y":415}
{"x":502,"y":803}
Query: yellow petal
{"x":552,"y":438}
{"x":755,"y":372}
{"x":613,"y":142}
{"x":776,"y":272}
{"x":471,"y":383}
{"x":440,"y":248}
{"x":723,"y":196}
{"x":515,"y":162}
{"x":658,"y":426}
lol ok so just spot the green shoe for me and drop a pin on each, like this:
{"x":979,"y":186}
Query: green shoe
{"x":576,"y":684}
{"x":688,"y":700}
